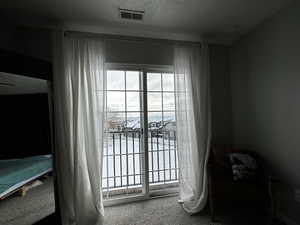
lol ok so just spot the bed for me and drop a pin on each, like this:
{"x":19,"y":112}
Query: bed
{"x":16,"y":173}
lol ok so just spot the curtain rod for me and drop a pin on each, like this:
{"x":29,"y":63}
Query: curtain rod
{"x":131,"y":38}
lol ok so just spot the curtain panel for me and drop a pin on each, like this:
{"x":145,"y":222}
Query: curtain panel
{"x":193,"y":123}
{"x":79,"y":120}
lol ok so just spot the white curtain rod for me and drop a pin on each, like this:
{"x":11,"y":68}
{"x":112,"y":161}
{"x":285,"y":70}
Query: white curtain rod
{"x":131,"y":38}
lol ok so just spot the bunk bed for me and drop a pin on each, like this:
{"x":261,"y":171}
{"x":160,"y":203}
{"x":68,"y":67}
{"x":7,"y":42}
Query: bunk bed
{"x":15,"y":174}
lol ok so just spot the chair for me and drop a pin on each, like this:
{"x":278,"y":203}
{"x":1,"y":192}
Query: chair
{"x":224,"y":191}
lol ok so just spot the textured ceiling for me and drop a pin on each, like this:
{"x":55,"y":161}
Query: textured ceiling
{"x":210,"y":17}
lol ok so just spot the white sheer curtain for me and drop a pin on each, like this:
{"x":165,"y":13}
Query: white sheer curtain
{"x":79,"y":112}
{"x":193,"y":123}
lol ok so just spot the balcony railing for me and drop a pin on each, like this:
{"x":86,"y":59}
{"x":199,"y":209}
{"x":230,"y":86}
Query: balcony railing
{"x":123,"y":162}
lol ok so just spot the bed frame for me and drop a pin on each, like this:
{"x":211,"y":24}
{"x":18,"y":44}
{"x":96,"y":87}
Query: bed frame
{"x":21,"y":187}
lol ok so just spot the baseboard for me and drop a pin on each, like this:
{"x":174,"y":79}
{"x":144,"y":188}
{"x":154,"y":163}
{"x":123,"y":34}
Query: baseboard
{"x":287,"y":220}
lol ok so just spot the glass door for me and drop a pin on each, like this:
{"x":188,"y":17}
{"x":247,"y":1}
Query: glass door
{"x":140,"y":145}
{"x":123,"y":159}
{"x":163,"y":160}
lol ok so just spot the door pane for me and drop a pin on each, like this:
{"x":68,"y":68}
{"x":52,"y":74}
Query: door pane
{"x":169,"y":101}
{"x":161,"y":128}
{"x":115,"y":80}
{"x":115,"y":121}
{"x":133,"y":127}
{"x":154,"y":101}
{"x":123,"y":143}
{"x":154,"y":130}
{"x":169,"y":117}
{"x":115,"y":101}
{"x":133,"y":80}
{"x":153,"y":82}
{"x":168,"y":81}
{"x":133,"y":101}
{"x":133,"y":121}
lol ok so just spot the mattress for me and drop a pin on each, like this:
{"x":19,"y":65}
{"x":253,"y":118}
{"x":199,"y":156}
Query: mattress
{"x":16,"y":172}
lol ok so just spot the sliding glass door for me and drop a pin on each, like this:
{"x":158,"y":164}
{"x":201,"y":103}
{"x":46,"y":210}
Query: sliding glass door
{"x":161,"y":128}
{"x":140,"y":144}
{"x":123,"y":149}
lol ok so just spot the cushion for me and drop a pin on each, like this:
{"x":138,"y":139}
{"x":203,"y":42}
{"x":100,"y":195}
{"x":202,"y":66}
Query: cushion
{"x":244,"y":166}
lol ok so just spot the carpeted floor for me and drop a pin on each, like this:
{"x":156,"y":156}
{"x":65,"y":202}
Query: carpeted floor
{"x":160,"y":211}
{"x":166,"y":211}
{"x":35,"y":205}
{"x":39,"y":203}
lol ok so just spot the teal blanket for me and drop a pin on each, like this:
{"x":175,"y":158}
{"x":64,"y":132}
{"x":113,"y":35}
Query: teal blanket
{"x":14,"y":171}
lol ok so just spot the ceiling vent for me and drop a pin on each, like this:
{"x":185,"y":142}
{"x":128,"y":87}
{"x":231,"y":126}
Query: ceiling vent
{"x":131,"y":14}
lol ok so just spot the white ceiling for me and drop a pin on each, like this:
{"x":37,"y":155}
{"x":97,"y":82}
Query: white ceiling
{"x":11,"y":84}
{"x":209,"y":17}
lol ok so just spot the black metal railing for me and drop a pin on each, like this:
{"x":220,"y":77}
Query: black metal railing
{"x":123,"y":158}
{"x":162,"y":156}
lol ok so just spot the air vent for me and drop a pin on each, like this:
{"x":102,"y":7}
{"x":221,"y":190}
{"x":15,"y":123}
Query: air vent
{"x":131,"y":14}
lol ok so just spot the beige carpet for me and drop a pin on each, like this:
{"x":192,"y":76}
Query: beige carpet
{"x":166,"y":211}
{"x":161,"y":211}
{"x":39,"y":203}
{"x":35,"y":205}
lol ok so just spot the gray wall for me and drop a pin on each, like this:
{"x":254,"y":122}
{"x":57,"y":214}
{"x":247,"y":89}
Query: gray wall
{"x":26,"y":41}
{"x":221,"y":95}
{"x":139,"y":52}
{"x":265,"y":73}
